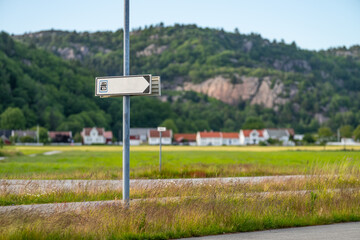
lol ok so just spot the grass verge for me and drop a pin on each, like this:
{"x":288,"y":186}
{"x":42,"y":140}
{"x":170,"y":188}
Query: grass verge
{"x":209,"y":214}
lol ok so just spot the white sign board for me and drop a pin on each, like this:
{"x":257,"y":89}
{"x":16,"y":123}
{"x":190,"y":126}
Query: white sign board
{"x":123,"y":85}
{"x":161,"y":129}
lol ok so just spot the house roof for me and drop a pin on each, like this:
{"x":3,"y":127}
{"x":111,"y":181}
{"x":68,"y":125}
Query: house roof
{"x":230,"y":135}
{"x":191,"y":137}
{"x":53,"y":134}
{"x":134,"y":137}
{"x":21,"y":133}
{"x":86,"y":131}
{"x":247,"y":132}
{"x":156,"y":134}
{"x":140,"y":131}
{"x":5,"y":133}
{"x":210,"y":134}
{"x":277,"y":133}
{"x":291,"y":131}
{"x":108,"y":134}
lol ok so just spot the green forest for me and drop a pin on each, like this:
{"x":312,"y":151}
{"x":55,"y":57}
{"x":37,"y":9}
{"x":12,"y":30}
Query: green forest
{"x":47,"y":78}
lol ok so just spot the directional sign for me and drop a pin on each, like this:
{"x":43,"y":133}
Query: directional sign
{"x":161,"y":129}
{"x":123,"y":85}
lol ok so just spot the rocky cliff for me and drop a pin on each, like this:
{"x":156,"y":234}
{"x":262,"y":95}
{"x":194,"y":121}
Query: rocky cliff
{"x":255,"y":90}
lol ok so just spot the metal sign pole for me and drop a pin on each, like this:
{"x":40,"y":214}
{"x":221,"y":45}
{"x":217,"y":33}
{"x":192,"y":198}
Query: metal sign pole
{"x":126,"y":110}
{"x":160,"y":153}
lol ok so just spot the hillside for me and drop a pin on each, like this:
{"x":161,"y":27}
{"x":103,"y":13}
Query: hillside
{"x":59,"y":95}
{"x":278,"y":83}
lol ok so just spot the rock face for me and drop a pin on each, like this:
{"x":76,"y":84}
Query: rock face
{"x":151,"y":49}
{"x":267,"y":96}
{"x":258,"y":91}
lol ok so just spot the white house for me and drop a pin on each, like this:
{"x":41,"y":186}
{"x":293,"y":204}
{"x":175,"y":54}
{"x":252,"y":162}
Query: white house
{"x":95,"y":136}
{"x":139,"y":135}
{"x":135,"y":140}
{"x":154,"y":137}
{"x":344,"y":142}
{"x":209,"y":138}
{"x":230,"y":138}
{"x":281,"y":134}
{"x":248,"y":137}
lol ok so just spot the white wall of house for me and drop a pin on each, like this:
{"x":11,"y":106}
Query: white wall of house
{"x":231,"y":141}
{"x":156,"y":140}
{"x":135,"y":142}
{"x":253,"y":138}
{"x":208,"y":141}
{"x":94,"y":138}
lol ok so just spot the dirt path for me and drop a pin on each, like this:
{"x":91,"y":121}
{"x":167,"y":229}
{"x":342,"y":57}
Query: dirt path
{"x":31,"y":186}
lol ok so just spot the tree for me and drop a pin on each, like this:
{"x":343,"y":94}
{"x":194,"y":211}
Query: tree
{"x":253,"y":123}
{"x":308,"y":138}
{"x":77,"y":137}
{"x":325,"y":134}
{"x":43,"y":134}
{"x":170,"y":124}
{"x":346,"y":131}
{"x":12,"y":118}
{"x":356,"y":133}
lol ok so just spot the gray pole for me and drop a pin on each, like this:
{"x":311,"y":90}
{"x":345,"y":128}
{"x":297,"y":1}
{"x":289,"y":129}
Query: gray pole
{"x":126,"y":109}
{"x":160,"y":153}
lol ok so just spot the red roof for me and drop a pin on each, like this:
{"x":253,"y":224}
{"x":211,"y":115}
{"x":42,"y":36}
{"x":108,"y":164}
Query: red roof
{"x":134,"y":137}
{"x":88,"y":130}
{"x":247,"y":132}
{"x":191,"y":137}
{"x":108,"y":134}
{"x":230,"y":135}
{"x":53,"y":134}
{"x":210,"y":134}
{"x":291,"y":131}
{"x":156,"y":134}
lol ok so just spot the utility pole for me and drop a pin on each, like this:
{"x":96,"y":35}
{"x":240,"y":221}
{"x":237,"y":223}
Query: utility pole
{"x":160,"y":153}
{"x":160,"y":130}
{"x":37,"y":134}
{"x":126,"y":86}
{"x":126,"y":110}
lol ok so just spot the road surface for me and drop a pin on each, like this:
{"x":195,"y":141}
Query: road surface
{"x":339,"y":231}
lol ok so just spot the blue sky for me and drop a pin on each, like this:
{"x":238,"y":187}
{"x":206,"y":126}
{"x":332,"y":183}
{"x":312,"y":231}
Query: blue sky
{"x":312,"y":24}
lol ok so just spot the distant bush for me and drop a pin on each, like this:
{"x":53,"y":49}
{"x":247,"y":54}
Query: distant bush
{"x":27,"y":139}
{"x":262,"y":143}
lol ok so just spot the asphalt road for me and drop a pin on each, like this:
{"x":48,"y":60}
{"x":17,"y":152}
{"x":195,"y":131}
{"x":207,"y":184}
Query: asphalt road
{"x":339,"y":231}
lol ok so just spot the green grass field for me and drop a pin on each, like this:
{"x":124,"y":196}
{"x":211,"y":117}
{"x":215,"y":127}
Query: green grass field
{"x":103,"y":162}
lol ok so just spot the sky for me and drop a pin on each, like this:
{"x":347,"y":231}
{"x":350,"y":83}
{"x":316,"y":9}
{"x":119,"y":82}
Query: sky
{"x":312,"y":24}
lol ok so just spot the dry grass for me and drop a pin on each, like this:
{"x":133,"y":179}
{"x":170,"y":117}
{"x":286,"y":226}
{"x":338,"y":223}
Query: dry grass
{"x":213,"y":213}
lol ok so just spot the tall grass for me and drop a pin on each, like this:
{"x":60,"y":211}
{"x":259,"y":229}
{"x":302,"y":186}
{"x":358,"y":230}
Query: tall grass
{"x":213,"y":213}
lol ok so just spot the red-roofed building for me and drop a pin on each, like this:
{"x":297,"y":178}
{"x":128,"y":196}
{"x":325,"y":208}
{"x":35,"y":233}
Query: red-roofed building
{"x":185,"y":138}
{"x":135,"y":140}
{"x":108,"y":137}
{"x":249,"y":137}
{"x":209,"y":138}
{"x":154,"y":137}
{"x":230,"y":138}
{"x":96,"y":136}
{"x":60,"y":137}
